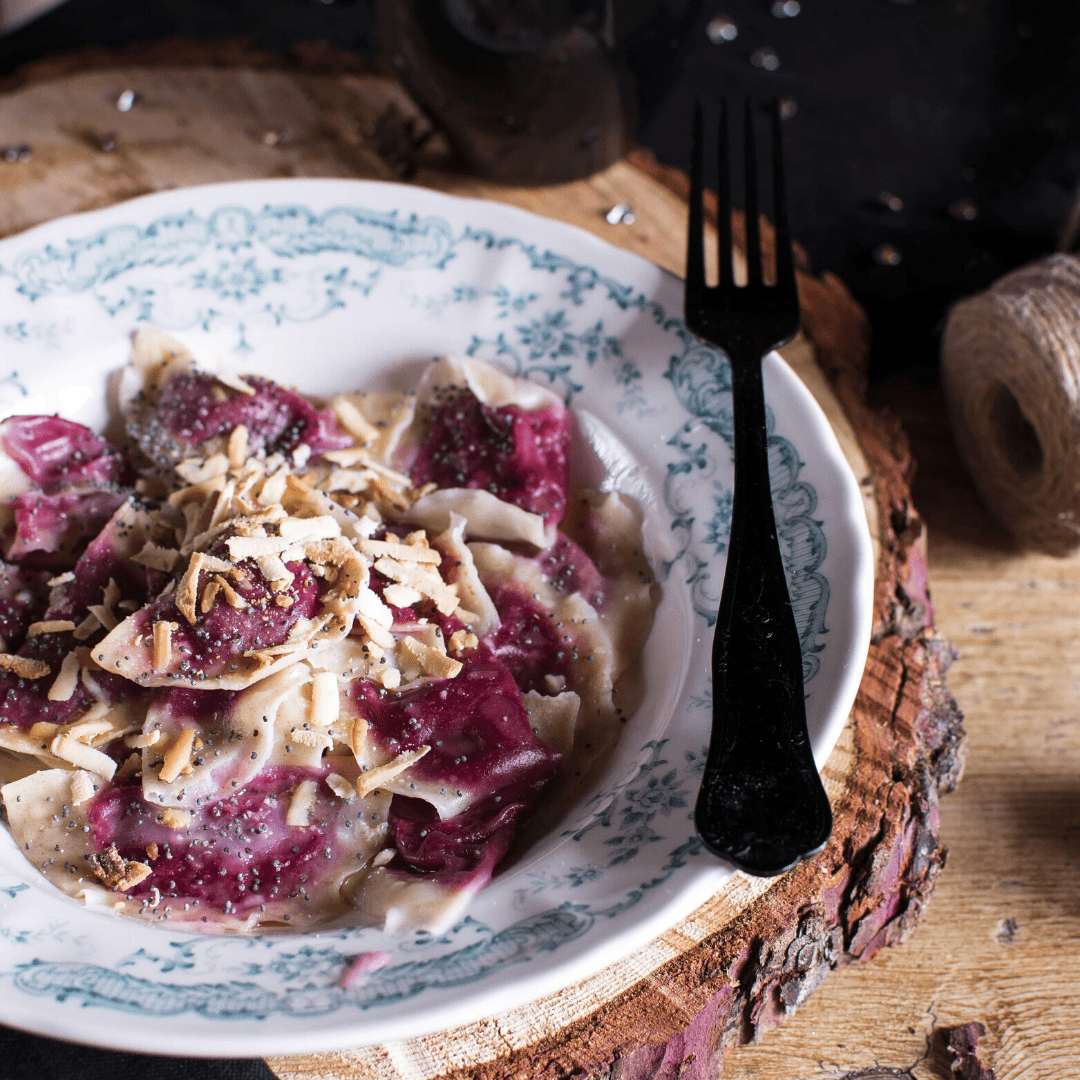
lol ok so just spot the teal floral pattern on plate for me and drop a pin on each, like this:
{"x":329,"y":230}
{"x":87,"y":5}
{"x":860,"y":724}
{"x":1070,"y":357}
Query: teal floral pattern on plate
{"x":310,"y":281}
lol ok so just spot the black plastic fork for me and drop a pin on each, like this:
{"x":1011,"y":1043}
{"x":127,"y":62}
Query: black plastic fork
{"x":762,"y":805}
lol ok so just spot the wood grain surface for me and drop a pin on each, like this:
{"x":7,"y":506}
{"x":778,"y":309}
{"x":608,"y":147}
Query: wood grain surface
{"x":996,"y":943}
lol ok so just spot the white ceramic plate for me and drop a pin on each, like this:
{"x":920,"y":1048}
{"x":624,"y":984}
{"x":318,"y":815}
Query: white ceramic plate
{"x":332,"y":285}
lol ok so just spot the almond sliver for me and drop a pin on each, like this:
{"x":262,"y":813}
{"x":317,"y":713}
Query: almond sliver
{"x":301,"y":804}
{"x":64,"y":684}
{"x":50,"y":626}
{"x":371,"y":779}
{"x":401,"y":552}
{"x":325,"y":703}
{"x":68,"y":748}
{"x":157,"y":558}
{"x":431,"y":661}
{"x":178,"y":756}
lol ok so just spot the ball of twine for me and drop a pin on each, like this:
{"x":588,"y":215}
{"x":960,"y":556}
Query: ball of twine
{"x":1011,"y":372}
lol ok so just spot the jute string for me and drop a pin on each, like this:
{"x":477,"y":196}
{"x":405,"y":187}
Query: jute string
{"x":1011,"y":371}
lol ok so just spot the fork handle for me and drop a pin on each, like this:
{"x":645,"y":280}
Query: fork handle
{"x":762,"y":805}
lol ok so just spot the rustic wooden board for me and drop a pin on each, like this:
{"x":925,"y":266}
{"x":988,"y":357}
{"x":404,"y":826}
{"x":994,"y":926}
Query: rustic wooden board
{"x":749,"y":958}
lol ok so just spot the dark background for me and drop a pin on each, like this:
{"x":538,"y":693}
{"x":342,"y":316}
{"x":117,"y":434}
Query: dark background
{"x":962,"y":115}
{"x":931,"y":146}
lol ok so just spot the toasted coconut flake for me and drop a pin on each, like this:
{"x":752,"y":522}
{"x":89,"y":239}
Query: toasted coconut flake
{"x":196,"y":493}
{"x":61,"y":579}
{"x":340,"y":786}
{"x":157,"y":557}
{"x":209,"y":595}
{"x":105,"y":616}
{"x":111,"y":594}
{"x":368,"y":781}
{"x":213,"y":565}
{"x":359,"y":456}
{"x":310,"y":737}
{"x":50,"y":626}
{"x":96,"y":711}
{"x":407,"y":552}
{"x":87,"y":729}
{"x":237,"y":447}
{"x":432,"y":661}
{"x":195,"y":470}
{"x":173,"y":817}
{"x":223,"y":508}
{"x":64,"y":684}
{"x":358,"y":734}
{"x":68,"y":748}
{"x":375,"y":632}
{"x":116,"y":872}
{"x":350,"y":481}
{"x":187,"y":592}
{"x":87,"y":627}
{"x":131,"y":767}
{"x":163,"y":644}
{"x":302,"y":802}
{"x":23,"y":666}
{"x":422,"y":578}
{"x":354,"y":421}
{"x":274,"y":486}
{"x":232,"y":597}
{"x":82,"y":787}
{"x":389,"y":677}
{"x":234,"y":382}
{"x":144,"y":739}
{"x":463,"y":641}
{"x":275,"y":571}
{"x":253,"y":547}
{"x":178,"y":756}
{"x":401,"y":596}
{"x":44,"y":730}
{"x":325,"y":703}
{"x":286,"y":648}
{"x":305,"y":530}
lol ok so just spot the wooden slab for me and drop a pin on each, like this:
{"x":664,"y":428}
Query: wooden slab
{"x":753,"y":955}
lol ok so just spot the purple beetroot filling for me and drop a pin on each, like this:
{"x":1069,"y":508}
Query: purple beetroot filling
{"x":50,"y":529}
{"x":236,"y":853}
{"x":527,"y":641}
{"x":24,"y":595}
{"x":570,"y":570}
{"x":277,"y":420}
{"x":194,"y":706}
{"x":104,"y":558}
{"x":23,"y":702}
{"x":481,"y":742}
{"x":521,"y":457}
{"x":475,"y":724}
{"x":463,"y":851}
{"x":225,"y":632}
{"x":54,"y":452}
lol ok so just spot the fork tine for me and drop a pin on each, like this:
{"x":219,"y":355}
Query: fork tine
{"x":785,"y":260}
{"x":723,"y":204}
{"x":753,"y":233}
{"x":695,"y":232}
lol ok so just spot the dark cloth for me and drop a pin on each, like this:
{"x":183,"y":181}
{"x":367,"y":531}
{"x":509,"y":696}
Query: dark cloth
{"x":28,"y":1057}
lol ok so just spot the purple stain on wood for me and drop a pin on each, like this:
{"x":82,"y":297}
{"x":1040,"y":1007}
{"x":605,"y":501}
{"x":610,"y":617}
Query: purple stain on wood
{"x":965,"y":1058}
